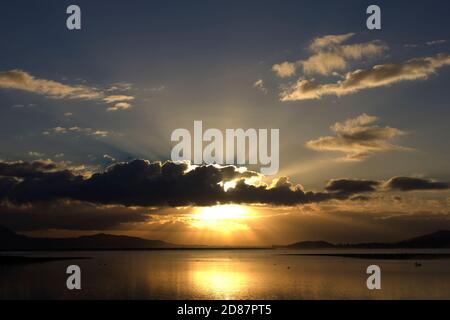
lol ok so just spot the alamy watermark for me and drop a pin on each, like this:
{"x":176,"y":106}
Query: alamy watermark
{"x":234,"y":147}
{"x":73,"y":21}
{"x":374,"y":280}
{"x":73,"y":282}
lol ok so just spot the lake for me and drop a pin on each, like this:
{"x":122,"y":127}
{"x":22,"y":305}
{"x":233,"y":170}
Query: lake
{"x":223,"y":274}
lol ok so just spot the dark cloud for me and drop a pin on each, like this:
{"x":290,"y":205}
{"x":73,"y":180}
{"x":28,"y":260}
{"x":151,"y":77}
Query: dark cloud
{"x":351,"y":186}
{"x":37,"y":181}
{"x":27,"y":169}
{"x":169,"y":184}
{"x":157,"y":184}
{"x":144,"y":183}
{"x":410,"y":184}
{"x":284,"y":193}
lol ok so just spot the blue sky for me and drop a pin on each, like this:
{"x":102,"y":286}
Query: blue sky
{"x":207,"y":56}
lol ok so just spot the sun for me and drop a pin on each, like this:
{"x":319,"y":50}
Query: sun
{"x":224,"y":218}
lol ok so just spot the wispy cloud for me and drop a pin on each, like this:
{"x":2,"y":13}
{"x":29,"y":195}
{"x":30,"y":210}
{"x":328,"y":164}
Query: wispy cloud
{"x":436,"y":42}
{"x":109,"y":158}
{"x":358,"y":138}
{"x":428,"y":43}
{"x":337,"y":58}
{"x":21,"y":80}
{"x":329,"y":54}
{"x":329,"y":40}
{"x":120,"y":106}
{"x":35,"y":154}
{"x":160,"y":88}
{"x":117,"y":98}
{"x":120,"y":86}
{"x":86,"y":131}
{"x":259,"y":84}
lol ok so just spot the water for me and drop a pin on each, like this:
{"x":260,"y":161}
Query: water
{"x":225,"y":274}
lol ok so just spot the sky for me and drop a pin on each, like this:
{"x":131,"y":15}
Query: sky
{"x":86,"y":118}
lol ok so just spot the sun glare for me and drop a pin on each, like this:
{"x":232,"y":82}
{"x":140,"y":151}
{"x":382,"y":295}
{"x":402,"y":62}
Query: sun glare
{"x":225,"y":218}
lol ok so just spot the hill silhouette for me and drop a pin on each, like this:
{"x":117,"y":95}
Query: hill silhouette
{"x":10,"y":240}
{"x":436,"y":240}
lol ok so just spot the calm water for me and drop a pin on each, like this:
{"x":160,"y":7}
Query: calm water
{"x":246,"y":274}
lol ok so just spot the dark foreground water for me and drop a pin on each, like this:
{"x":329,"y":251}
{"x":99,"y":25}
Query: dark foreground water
{"x":225,"y":274}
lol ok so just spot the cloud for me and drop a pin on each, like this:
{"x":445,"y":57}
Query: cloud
{"x":324,"y":63}
{"x":35,"y":154}
{"x":25,"y":169}
{"x":109,"y":158}
{"x":156,"y":184}
{"x":117,"y":98}
{"x":337,"y":58}
{"x":144,"y":183}
{"x":160,"y":88}
{"x":98,"y":133}
{"x":329,"y":54}
{"x":358,"y":138}
{"x":172,"y":184}
{"x":411,"y":45}
{"x":377,"y":76}
{"x":436,"y":42}
{"x":329,"y":40}
{"x":357,"y":186}
{"x":21,"y":80}
{"x":259,"y":84}
{"x":120,"y":106}
{"x":351,"y":186}
{"x":86,"y":131}
{"x":44,"y":194}
{"x":21,"y":106}
{"x":120,"y":86}
{"x":285,"y":69}
{"x":411,"y":184}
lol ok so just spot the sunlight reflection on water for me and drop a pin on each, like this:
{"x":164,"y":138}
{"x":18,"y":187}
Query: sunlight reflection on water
{"x":223,"y":275}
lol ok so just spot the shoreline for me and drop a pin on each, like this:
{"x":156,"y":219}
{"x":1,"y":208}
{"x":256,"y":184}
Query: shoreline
{"x":20,"y":260}
{"x":378,"y":256}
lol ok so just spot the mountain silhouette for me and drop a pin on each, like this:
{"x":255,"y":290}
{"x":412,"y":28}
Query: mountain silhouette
{"x":439,"y":239}
{"x":10,"y":240}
